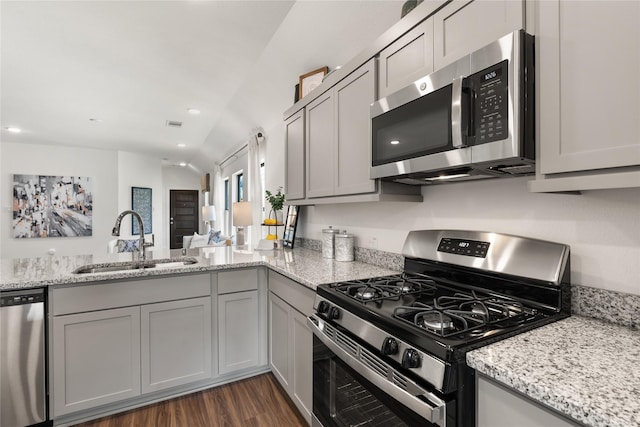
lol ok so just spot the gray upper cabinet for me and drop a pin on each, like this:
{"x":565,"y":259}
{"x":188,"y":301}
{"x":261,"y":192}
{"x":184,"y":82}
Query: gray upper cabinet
{"x":294,"y":157}
{"x":352,"y":151}
{"x":338,"y":137}
{"x":406,"y":60}
{"x":463,"y":26}
{"x":588,"y":95}
{"x":320,"y":146}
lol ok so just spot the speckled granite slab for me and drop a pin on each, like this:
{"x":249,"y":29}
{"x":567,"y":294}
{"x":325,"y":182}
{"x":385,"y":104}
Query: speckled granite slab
{"x":615,"y":307}
{"x":584,"y":368}
{"x":302,"y":265}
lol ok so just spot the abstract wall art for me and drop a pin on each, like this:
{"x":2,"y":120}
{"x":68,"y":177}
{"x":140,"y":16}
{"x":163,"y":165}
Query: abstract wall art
{"x":52,"y":206}
{"x":141,"y":203}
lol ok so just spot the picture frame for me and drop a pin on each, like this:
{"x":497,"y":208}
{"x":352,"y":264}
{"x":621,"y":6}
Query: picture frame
{"x":141,"y":198}
{"x":311,"y":80}
{"x":290,"y":225}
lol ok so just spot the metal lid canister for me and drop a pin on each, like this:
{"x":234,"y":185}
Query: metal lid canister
{"x":344,"y":246}
{"x":328,"y":242}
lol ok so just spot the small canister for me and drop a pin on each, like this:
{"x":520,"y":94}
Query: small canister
{"x":328,"y":242}
{"x":344,"y":246}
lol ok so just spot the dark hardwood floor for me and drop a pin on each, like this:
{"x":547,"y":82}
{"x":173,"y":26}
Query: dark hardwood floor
{"x":257,"y":401}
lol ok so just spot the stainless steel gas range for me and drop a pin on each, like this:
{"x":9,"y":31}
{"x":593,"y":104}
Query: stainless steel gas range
{"x":390,"y":351}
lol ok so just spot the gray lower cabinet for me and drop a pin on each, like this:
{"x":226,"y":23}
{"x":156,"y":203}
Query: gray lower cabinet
{"x":96,"y":359}
{"x":120,"y":340}
{"x":238,"y":331}
{"x":241,"y":318}
{"x":499,"y":406}
{"x":291,"y":340}
{"x":175,"y":343}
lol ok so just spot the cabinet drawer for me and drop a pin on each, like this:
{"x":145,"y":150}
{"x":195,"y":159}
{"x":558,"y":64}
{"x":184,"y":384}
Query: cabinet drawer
{"x":298,"y":296}
{"x":77,"y":299}
{"x":237,"y":281}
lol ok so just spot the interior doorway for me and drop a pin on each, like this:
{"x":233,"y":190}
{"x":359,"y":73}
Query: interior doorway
{"x":184,"y":216}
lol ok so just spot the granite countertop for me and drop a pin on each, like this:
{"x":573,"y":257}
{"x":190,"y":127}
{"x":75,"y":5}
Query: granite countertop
{"x":586,"y":369}
{"x":305,"y":266}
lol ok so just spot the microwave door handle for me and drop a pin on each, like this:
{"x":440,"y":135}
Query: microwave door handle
{"x":456,"y":113}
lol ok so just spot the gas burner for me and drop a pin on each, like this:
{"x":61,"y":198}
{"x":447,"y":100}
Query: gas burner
{"x":367,"y":293}
{"x":434,"y":321}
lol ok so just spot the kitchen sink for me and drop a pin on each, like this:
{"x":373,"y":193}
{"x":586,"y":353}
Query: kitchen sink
{"x":155,"y":264}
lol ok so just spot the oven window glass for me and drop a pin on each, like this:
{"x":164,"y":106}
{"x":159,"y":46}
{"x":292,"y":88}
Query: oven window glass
{"x":341,"y":397}
{"x":415,"y":129}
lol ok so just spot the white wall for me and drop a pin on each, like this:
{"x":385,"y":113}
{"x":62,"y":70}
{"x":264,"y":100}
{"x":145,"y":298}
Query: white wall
{"x":138,"y":170}
{"x":99,"y":165}
{"x":602,"y":227}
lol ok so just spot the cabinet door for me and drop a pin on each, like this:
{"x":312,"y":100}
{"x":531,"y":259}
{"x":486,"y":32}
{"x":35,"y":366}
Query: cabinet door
{"x":302,"y":352}
{"x":294,"y":156}
{"x":238,"y":326}
{"x":589,"y":91}
{"x":320,"y":146}
{"x":176,"y":343}
{"x":464,"y":26}
{"x":353,"y":96}
{"x":498,"y":406}
{"x":96,"y":359}
{"x":279,"y":340}
{"x":407,"y":59}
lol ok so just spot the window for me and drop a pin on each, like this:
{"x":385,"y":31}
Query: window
{"x":240,"y":186}
{"x":226,"y":194}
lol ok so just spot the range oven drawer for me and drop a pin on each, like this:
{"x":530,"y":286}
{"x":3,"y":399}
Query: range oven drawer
{"x":353,"y":386}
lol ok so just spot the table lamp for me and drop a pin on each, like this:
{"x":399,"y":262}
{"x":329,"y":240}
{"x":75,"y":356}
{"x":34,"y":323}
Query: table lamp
{"x":241,"y":217}
{"x":208,"y":216}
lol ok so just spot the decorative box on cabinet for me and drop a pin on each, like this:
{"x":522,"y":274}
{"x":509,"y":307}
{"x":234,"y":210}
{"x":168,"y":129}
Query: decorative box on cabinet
{"x":588,"y":104}
{"x":291,"y":340}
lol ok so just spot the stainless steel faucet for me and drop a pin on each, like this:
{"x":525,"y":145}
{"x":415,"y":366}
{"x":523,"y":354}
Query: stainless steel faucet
{"x":141,"y":245}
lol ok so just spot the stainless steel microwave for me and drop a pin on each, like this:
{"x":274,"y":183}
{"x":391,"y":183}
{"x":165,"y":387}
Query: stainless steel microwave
{"x":472,"y":119}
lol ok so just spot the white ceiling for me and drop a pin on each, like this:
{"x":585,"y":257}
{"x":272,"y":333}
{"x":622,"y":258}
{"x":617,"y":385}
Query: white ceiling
{"x":135,"y":64}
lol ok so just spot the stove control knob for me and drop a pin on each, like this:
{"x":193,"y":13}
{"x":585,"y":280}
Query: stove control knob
{"x":410,"y":358}
{"x":333,"y":313}
{"x":323,"y":307}
{"x":389,"y":346}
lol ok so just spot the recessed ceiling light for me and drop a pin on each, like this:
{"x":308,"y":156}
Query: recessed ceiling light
{"x":94,"y":120}
{"x":181,"y":145}
{"x":193,"y":111}
{"x":13,"y":129}
{"x":394,"y":142}
{"x":183,"y":164}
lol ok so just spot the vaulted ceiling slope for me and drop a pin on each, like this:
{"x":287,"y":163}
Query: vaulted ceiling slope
{"x":109,"y":74}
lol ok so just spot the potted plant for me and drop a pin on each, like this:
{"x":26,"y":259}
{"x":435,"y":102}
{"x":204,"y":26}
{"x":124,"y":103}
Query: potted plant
{"x":277,"y":203}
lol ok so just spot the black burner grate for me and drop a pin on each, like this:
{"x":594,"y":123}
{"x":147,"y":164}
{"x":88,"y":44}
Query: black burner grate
{"x":384,"y":288}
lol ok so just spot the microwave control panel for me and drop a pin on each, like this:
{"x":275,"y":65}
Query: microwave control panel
{"x":491,"y":86}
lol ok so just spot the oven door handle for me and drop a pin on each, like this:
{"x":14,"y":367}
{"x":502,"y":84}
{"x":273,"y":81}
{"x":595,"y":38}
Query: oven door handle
{"x":414,"y":397}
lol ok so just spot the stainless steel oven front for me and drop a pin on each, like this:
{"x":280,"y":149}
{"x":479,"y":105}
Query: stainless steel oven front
{"x":352,"y":386}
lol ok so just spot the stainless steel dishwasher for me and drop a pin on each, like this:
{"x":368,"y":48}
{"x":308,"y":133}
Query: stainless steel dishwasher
{"x":23,"y":393}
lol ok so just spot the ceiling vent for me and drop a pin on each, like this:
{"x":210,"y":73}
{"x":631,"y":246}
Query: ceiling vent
{"x":173,"y":124}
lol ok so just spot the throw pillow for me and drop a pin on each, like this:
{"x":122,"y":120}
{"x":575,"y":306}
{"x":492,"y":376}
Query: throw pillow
{"x":214,"y":237}
{"x":199,"y":241}
{"x":128,"y":245}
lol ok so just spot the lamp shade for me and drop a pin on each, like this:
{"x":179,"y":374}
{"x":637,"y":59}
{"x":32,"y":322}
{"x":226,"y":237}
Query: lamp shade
{"x":242,"y":214}
{"x":208,"y":213}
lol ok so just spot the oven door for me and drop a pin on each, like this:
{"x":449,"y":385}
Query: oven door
{"x":352,"y":386}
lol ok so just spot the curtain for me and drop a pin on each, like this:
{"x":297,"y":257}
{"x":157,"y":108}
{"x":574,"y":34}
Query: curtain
{"x":255,"y":191}
{"x":218,"y":201}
